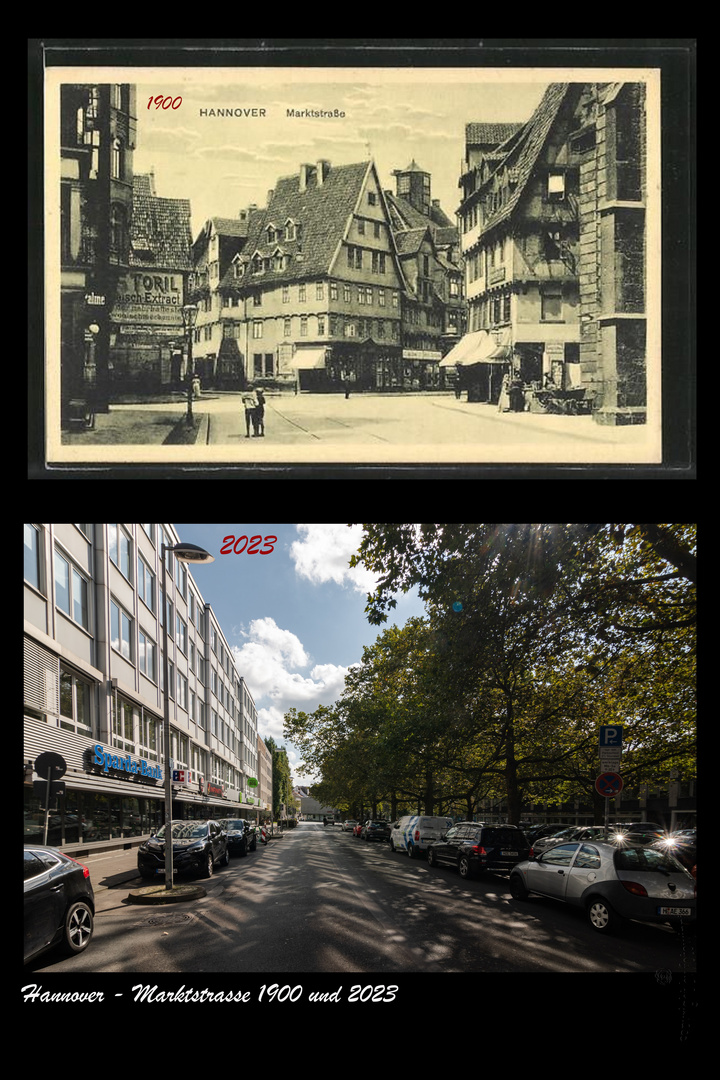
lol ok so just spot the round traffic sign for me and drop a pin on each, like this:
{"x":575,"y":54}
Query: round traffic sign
{"x":608,"y":784}
{"x":50,"y":761}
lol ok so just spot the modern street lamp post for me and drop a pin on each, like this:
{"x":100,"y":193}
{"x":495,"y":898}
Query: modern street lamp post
{"x":188,"y":553}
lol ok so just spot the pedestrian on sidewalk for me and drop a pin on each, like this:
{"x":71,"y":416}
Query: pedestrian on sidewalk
{"x":250,"y":403}
{"x":259,"y":415}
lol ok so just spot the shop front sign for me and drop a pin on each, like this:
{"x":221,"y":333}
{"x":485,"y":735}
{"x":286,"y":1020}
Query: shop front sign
{"x":110,"y":763}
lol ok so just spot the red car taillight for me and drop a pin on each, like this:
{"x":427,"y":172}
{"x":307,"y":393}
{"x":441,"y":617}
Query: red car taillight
{"x":417,"y":836}
{"x":477,"y":850}
{"x":635,"y":888}
{"x":86,"y":872}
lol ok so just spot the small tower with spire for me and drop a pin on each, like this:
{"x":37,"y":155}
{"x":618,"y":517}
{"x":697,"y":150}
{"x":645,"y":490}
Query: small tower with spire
{"x":413,"y":184}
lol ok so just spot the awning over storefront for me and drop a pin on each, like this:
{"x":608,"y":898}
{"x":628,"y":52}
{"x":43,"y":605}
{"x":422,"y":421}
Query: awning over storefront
{"x":502,"y":347}
{"x":467,"y":350}
{"x":309,"y":358}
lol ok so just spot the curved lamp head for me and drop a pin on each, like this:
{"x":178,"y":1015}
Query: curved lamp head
{"x":191,"y":553}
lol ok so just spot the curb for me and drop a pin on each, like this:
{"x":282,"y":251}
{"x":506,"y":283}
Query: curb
{"x":158,"y":894}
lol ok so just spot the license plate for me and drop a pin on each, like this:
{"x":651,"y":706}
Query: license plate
{"x":508,"y":852}
{"x":162,"y":871}
{"x":674,"y":911}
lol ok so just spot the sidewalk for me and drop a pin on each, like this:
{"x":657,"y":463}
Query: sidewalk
{"x":157,"y":423}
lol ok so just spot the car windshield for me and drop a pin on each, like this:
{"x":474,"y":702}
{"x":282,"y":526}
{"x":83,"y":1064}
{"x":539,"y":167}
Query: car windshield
{"x":647,"y":860}
{"x":186,"y":830}
{"x":239,"y":824}
{"x":377,"y":822}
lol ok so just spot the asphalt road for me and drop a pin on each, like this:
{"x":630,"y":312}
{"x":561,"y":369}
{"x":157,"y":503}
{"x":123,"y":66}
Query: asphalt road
{"x":321,"y":901}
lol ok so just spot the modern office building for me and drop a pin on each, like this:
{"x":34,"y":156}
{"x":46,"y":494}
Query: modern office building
{"x":93,"y":688}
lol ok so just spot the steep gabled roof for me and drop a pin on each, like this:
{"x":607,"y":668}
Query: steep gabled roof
{"x":524,"y":149}
{"x":160,"y":229}
{"x":322,"y":211}
{"x":489,"y":134}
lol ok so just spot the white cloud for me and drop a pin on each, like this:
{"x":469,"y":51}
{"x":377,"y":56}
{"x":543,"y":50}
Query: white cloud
{"x":269,"y":661}
{"x":323,"y":553}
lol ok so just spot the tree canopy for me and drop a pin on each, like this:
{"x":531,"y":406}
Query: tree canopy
{"x":534,"y":635}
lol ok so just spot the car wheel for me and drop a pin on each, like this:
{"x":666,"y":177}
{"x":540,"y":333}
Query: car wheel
{"x":517,"y":888}
{"x":209,"y":865}
{"x":225,"y":861}
{"x":464,"y":867}
{"x":601,"y":916}
{"x":411,"y":851}
{"x":431,"y":857}
{"x":78,"y":927}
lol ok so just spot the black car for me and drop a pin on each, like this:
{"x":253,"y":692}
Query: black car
{"x":477,"y":848}
{"x":197,"y":846}
{"x":59,"y":902}
{"x":376,"y":830}
{"x":241,"y":835}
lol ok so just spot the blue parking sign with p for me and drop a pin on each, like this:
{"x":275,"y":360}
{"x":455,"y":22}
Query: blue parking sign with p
{"x":611,"y":736}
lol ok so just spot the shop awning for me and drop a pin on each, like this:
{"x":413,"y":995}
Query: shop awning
{"x":502,"y":347}
{"x":467,"y":350}
{"x":309,"y":358}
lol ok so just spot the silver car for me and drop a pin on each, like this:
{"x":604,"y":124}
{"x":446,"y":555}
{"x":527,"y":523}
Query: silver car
{"x":611,"y":881}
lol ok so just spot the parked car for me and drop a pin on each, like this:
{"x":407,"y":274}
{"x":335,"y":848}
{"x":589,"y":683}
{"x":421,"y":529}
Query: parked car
{"x":685,"y":853}
{"x":197,"y":846}
{"x":357,"y":829}
{"x":59,"y":902}
{"x":639,"y":832}
{"x":577,"y":832}
{"x":539,"y":831}
{"x":475,"y":848}
{"x":241,"y":835}
{"x":349,"y":825}
{"x":415,"y":832}
{"x":541,"y":843}
{"x":610,"y":881}
{"x":376,"y":830}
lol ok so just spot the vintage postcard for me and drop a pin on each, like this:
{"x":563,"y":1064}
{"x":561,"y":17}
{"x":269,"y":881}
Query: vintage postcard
{"x":258,"y":265}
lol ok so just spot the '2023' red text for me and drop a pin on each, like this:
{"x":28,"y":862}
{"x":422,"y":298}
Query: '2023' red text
{"x":249,"y":545}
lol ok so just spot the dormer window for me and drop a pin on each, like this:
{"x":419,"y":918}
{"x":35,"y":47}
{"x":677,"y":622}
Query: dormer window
{"x":290,"y":229}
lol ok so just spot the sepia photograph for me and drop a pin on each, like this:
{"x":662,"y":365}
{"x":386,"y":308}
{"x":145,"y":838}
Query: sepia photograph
{"x":307,"y":265}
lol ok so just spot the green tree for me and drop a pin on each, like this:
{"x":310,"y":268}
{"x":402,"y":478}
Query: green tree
{"x":282,"y":779}
{"x":533,"y":623}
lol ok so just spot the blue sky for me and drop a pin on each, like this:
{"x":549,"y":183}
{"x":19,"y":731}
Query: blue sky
{"x":294,"y":618}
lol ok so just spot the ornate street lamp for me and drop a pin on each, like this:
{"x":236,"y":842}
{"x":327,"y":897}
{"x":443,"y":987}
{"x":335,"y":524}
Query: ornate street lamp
{"x":189,"y":315}
{"x":188,"y":553}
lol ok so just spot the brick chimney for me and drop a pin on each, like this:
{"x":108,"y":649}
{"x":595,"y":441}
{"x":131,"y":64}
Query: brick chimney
{"x":306,"y":173}
{"x":323,"y":168}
